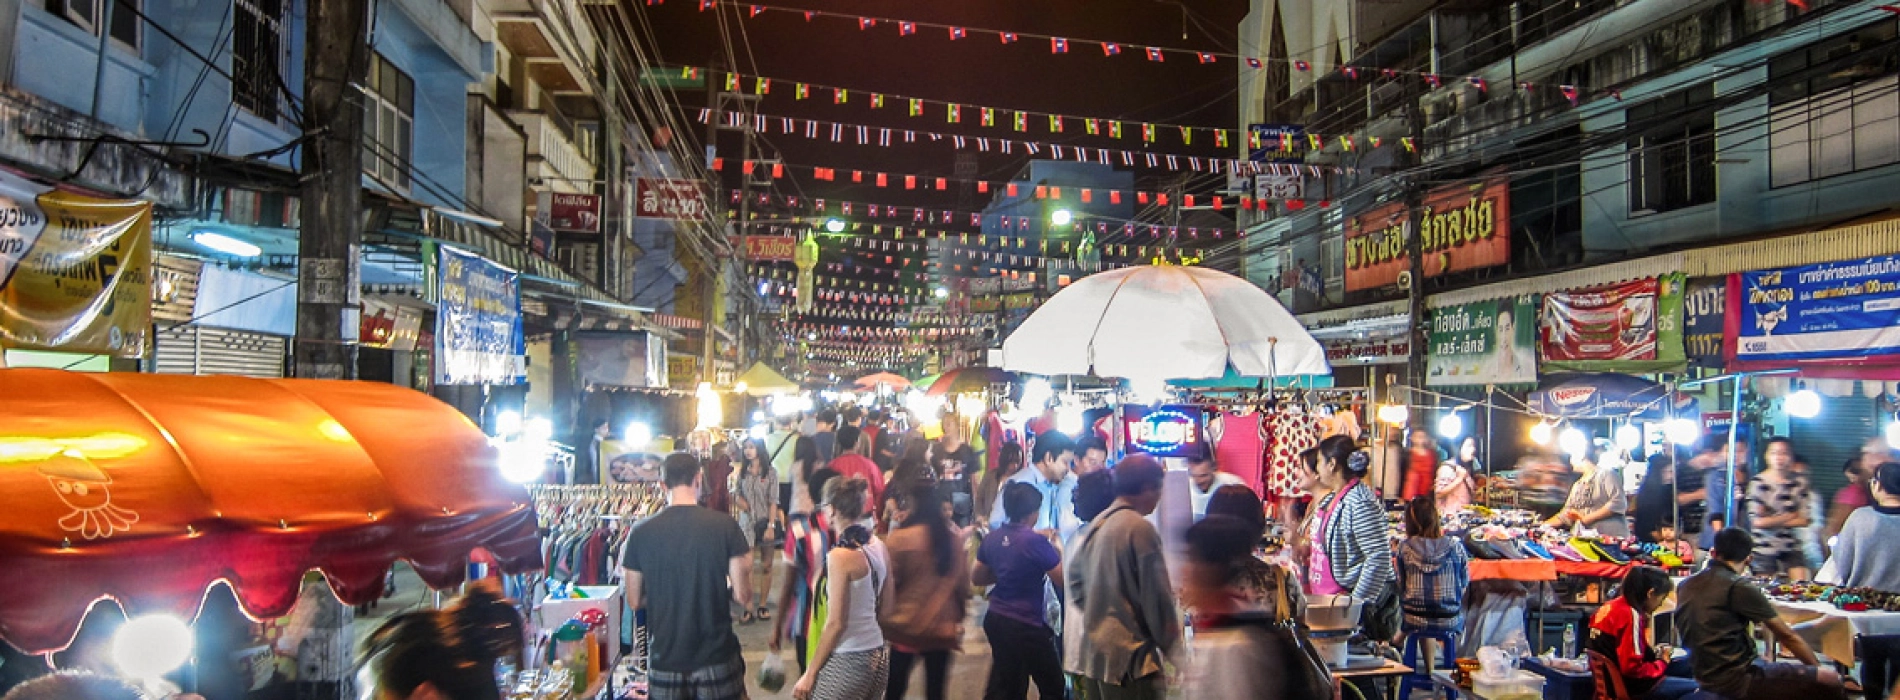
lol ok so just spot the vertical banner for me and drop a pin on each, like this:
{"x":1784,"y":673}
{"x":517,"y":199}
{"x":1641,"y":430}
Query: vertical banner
{"x":1828,"y":311}
{"x":478,"y":338}
{"x":1704,"y":305}
{"x":1486,"y":342}
{"x":75,"y":272}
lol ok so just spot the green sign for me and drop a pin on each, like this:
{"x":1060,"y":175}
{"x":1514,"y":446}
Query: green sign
{"x":1486,"y":342}
{"x":672,"y":78}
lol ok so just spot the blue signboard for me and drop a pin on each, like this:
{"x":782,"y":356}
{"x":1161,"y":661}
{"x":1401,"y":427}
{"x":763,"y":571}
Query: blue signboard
{"x":478,"y":337}
{"x":1827,"y":311}
{"x":1272,"y":143}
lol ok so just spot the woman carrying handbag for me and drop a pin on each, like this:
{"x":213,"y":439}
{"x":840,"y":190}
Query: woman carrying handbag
{"x":1242,"y":653}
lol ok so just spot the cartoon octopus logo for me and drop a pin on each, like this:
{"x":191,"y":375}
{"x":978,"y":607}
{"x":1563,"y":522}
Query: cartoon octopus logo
{"x":67,"y":464}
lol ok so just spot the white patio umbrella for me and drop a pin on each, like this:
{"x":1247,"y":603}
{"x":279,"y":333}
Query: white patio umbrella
{"x":1163,"y":322}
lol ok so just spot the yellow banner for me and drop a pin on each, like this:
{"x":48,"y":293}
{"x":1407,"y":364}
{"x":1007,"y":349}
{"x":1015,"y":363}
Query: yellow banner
{"x":75,"y":271}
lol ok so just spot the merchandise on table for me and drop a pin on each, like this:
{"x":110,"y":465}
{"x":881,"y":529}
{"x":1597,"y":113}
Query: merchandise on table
{"x":1858,"y":599}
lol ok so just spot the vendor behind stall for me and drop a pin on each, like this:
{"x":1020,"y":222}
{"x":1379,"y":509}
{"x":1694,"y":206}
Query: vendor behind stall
{"x":1864,"y":555}
{"x":1596,"y":500}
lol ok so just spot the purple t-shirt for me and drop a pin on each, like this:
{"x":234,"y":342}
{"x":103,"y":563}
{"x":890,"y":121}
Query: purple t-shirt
{"x":1021,"y":560}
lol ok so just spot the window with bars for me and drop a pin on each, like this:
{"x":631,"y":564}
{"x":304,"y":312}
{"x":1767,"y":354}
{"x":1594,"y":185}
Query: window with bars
{"x":257,"y":57}
{"x":86,"y":15}
{"x":1672,"y":151}
{"x":389,"y":115}
{"x":1834,"y":106}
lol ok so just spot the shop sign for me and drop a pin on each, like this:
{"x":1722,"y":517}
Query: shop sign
{"x":625,"y":358}
{"x":1278,"y":143}
{"x":75,"y":272}
{"x":1019,"y":283}
{"x":1368,"y":352}
{"x":478,"y":338}
{"x":682,"y":370}
{"x":1486,"y":342}
{"x":678,"y":200}
{"x":1834,"y":310}
{"x":1704,"y":313}
{"x":985,"y":285}
{"x":573,"y":213}
{"x":1466,"y":227}
{"x":388,"y":326}
{"x":1279,"y":186}
{"x":769,"y":248}
{"x":1617,"y":322}
{"x":1168,"y":431}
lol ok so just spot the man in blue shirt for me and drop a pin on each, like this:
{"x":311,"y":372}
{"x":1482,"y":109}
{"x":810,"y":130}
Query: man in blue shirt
{"x":1053,"y":457}
{"x":1019,"y":562}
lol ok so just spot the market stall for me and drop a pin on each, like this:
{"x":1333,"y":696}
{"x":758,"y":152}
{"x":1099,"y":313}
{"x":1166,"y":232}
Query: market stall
{"x":148,"y":489}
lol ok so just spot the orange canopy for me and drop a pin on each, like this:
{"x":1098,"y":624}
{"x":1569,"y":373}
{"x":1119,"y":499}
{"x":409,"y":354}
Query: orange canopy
{"x":149,"y":488}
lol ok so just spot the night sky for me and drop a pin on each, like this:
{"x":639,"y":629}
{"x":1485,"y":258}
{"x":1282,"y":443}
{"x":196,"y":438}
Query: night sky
{"x":979,"y":70}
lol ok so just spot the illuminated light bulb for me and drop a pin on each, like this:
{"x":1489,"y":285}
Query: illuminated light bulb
{"x":834,"y":226}
{"x":739,"y":388}
{"x":759,"y":431}
{"x":1682,"y":431}
{"x":1036,"y":394}
{"x":507,"y":423}
{"x":1543,"y":432}
{"x":1148,"y":390}
{"x":520,"y":461}
{"x":638,"y":435}
{"x":146,"y":648}
{"x":1803,"y":404}
{"x":1573,"y":442}
{"x":1062,"y":217}
{"x":1892,"y":434}
{"x":1451,"y":427}
{"x":1069,"y":419}
{"x":1628,"y":437}
{"x":1393,"y":414}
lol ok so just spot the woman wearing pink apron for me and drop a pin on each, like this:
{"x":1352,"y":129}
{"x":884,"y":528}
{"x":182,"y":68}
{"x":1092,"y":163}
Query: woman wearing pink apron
{"x":1352,"y":554}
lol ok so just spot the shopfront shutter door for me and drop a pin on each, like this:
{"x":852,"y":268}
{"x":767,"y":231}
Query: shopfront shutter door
{"x":1830,"y":439}
{"x":202,"y":350}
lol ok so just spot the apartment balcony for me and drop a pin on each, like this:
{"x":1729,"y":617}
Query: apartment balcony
{"x":553,"y":38}
{"x":549,"y":143}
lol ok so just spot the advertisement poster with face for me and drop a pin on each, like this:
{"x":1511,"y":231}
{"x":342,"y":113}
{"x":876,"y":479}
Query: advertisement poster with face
{"x":1486,"y":342}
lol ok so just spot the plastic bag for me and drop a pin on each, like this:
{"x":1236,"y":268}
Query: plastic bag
{"x":772,"y":673}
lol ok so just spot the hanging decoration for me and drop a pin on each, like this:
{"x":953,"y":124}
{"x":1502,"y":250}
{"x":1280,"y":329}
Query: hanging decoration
{"x":805,"y":257}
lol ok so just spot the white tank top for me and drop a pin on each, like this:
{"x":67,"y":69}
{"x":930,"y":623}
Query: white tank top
{"x":861,"y":631}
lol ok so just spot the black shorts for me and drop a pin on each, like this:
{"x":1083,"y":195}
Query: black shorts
{"x":785,"y":497}
{"x":1788,"y":681}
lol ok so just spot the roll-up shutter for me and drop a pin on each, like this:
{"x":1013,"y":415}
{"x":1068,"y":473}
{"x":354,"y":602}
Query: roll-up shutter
{"x":203,"y":350}
{"x":1828,"y":440}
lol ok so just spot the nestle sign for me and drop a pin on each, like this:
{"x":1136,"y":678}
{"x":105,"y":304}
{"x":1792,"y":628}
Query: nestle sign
{"x":679,"y":200}
{"x":574,"y":213}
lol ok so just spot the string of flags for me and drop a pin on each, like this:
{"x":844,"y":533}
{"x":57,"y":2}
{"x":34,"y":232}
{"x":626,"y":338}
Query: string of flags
{"x":915,"y":181}
{"x":886,"y":137}
{"x":986,"y":116}
{"x":896,"y":215}
{"x":1154,"y":54}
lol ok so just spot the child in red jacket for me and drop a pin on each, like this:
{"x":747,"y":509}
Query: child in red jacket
{"x":1620,"y":630}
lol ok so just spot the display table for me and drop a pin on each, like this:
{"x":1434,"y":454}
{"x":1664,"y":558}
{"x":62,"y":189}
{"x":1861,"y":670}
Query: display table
{"x":1391,"y":669}
{"x":1830,"y":630}
{"x":1541,"y":569}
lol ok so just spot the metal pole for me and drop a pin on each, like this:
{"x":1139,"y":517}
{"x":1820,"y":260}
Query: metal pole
{"x":1734,"y":422}
{"x":105,"y":44}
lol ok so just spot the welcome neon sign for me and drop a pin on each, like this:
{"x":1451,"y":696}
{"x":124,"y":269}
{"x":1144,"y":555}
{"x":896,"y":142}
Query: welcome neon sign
{"x":1169,"y":431}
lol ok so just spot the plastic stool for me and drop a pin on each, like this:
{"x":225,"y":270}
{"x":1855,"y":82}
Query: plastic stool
{"x":1420,"y":677}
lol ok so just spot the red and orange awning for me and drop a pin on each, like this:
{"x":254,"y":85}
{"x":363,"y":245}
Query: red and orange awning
{"x":149,"y":488}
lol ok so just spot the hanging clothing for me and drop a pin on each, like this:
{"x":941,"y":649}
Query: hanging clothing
{"x":1241,"y":450}
{"x":1291,"y":433}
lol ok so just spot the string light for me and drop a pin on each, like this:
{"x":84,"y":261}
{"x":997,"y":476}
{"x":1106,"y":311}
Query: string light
{"x":1543,"y":432}
{"x":1393,"y":414}
{"x":1451,"y":427}
{"x":1573,"y":442}
{"x":1682,"y":431}
{"x":1803,"y":404}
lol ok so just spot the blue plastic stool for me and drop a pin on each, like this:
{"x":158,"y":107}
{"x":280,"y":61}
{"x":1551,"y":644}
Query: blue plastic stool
{"x":1420,"y":677}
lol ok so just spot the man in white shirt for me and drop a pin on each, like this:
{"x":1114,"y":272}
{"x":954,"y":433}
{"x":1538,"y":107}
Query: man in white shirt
{"x":1204,"y":477}
{"x":1053,"y":459}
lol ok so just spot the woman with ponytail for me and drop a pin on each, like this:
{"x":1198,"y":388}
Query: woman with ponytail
{"x":446,"y":654}
{"x":1351,"y":552}
{"x":930,"y":584}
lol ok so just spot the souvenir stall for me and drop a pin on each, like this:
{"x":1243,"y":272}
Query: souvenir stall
{"x":151,"y":490}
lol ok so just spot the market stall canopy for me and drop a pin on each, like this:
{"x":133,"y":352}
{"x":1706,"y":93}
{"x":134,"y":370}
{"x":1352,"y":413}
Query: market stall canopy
{"x":761,"y":380}
{"x":870,"y":381}
{"x":1607,"y":395}
{"x":1163,"y":322}
{"x":149,"y":488}
{"x":968,"y":379}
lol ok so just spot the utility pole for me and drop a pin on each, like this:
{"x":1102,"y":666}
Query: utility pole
{"x":1415,"y":261}
{"x":336,"y":58}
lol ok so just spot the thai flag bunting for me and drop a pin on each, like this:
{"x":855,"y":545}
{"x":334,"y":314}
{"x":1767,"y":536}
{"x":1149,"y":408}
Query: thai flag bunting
{"x":884,"y":137}
{"x":958,"y":140}
{"x":1057,"y":149}
{"x":837,"y":133}
{"x":911,"y":136}
{"x":785,"y":125}
{"x":811,"y":129}
{"x":705,"y":116}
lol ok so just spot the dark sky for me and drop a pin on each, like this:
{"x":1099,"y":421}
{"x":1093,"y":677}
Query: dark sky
{"x":977,"y":70}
